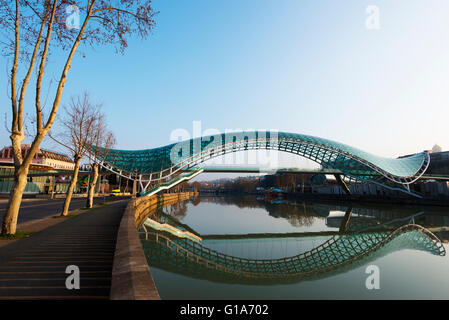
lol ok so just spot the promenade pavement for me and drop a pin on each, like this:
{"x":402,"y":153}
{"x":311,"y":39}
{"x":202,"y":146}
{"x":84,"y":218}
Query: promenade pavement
{"x":33,"y":208}
{"x":35,"y":267}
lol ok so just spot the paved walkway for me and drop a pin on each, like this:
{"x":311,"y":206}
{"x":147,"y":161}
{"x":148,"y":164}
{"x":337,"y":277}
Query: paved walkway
{"x":34,"y":268}
{"x":32,"y":209}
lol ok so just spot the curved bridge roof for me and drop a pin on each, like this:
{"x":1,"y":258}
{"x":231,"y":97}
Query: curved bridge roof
{"x":353,"y":162}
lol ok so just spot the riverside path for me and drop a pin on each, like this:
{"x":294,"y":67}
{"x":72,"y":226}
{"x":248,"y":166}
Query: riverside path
{"x":35,"y":267}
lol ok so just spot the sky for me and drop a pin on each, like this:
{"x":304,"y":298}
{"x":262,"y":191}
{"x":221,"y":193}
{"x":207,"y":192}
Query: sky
{"x":311,"y":67}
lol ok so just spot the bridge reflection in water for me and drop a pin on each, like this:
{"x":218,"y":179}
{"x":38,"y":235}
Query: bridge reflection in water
{"x":178,"y":248}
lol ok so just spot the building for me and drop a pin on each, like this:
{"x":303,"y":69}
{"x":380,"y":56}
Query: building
{"x":439,"y":166}
{"x":439,"y":163}
{"x":429,"y":188}
{"x":44,"y":157}
{"x":42,"y":178}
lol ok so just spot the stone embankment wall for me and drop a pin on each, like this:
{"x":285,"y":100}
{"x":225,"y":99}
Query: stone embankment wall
{"x":131,"y":276}
{"x":144,"y":207}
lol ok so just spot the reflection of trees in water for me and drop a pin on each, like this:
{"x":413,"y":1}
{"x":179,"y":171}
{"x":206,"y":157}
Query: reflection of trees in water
{"x":306,"y":221}
{"x":178,"y":209}
{"x":241,"y":202}
{"x":196,"y":201}
{"x":296,"y":213}
{"x":299,"y":213}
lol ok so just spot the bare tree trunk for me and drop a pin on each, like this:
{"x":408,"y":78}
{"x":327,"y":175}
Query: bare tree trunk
{"x":90,"y":196}
{"x":9,"y":225}
{"x":134,"y":189}
{"x":111,"y":16}
{"x":68,"y":198}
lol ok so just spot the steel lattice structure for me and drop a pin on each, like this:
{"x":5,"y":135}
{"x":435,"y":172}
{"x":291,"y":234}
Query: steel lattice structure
{"x":160,"y":165}
{"x":189,"y":257}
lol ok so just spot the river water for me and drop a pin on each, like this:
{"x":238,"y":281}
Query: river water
{"x":232,"y":247}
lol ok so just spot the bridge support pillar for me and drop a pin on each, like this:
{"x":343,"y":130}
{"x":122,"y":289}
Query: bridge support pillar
{"x":342,"y":184}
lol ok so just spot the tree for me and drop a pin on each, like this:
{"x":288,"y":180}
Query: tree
{"x":79,"y":127}
{"x":102,"y":140}
{"x":29,"y":30}
{"x":436,"y":148}
{"x":196,"y":186}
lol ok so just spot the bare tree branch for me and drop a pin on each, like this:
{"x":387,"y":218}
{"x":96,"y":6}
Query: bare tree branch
{"x":22,"y":27}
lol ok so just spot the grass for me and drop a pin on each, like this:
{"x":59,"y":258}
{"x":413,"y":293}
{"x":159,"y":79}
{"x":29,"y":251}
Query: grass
{"x":17,"y":235}
{"x":67,"y":216}
{"x":95,"y":206}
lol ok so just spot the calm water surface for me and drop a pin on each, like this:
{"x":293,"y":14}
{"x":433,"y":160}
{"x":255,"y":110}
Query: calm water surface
{"x":411,"y":265}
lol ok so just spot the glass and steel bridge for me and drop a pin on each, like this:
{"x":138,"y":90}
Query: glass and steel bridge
{"x":157,"y":166}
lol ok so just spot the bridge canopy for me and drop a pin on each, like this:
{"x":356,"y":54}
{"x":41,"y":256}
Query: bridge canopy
{"x":164,"y":161}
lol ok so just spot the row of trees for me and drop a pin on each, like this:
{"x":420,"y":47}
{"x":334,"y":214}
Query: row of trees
{"x":297,"y":213}
{"x":287,"y":181}
{"x":32,"y":29}
{"x":84,"y":133}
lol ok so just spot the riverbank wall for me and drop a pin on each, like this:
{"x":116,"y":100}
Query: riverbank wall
{"x":131,"y":276}
{"x":374,"y":199}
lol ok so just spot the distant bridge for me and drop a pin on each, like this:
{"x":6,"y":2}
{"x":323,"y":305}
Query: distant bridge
{"x":234,"y":169}
{"x":231,"y":169}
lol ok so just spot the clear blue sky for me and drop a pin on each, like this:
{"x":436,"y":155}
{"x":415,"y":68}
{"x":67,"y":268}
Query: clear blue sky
{"x":308,"y":67}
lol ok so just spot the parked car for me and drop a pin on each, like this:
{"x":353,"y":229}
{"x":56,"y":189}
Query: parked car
{"x":115,"y":192}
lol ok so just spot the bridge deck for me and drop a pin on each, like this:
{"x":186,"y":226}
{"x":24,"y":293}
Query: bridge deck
{"x":236,"y":169}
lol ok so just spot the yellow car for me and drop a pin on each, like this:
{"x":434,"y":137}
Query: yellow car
{"x":115,"y":192}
